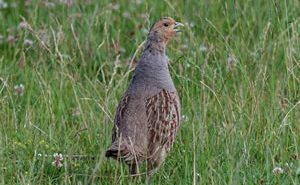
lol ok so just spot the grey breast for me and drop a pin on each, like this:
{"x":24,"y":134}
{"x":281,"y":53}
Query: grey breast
{"x":151,"y":75}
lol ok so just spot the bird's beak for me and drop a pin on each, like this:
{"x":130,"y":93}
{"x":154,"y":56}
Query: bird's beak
{"x":178,"y":24}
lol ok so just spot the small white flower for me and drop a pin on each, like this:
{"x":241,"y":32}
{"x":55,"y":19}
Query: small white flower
{"x":57,"y":164}
{"x":58,"y":156}
{"x":3,"y":4}
{"x":114,"y":6}
{"x":184,"y":47}
{"x":145,"y":31}
{"x":192,"y":24}
{"x":28,"y":42}
{"x":184,"y":117}
{"x":10,"y":38}
{"x":44,"y":36}
{"x":298,"y":171}
{"x":39,"y":155}
{"x":203,"y":48}
{"x":144,"y":16}
{"x":57,"y":160}
{"x":198,"y":174}
{"x":22,"y":25}
{"x":231,"y":60}
{"x":75,"y":112}
{"x":277,"y":170}
{"x":126,"y":15}
{"x":19,"y":90}
{"x":289,"y":165}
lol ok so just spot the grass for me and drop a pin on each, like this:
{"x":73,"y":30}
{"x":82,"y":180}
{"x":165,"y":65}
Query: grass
{"x":236,"y":67}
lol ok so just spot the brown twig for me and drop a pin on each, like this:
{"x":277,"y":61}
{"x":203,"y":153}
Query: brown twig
{"x":79,"y":157}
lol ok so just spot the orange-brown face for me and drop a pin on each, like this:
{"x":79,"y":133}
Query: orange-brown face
{"x":166,"y":28}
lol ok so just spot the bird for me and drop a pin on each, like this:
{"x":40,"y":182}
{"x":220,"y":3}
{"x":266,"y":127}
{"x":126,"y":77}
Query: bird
{"x":148,"y":115}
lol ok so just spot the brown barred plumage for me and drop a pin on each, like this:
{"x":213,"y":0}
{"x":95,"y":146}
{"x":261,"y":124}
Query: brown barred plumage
{"x":163,"y":115}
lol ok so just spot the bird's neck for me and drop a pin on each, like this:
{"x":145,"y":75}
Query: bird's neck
{"x":156,"y":43}
{"x":152,"y":72}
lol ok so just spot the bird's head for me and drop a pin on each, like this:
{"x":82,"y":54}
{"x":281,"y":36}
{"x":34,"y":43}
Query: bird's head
{"x":164,"y":30}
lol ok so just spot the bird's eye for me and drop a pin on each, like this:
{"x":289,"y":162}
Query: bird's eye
{"x":166,"y":24}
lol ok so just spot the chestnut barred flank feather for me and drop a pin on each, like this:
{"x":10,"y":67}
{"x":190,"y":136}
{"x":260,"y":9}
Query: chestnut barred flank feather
{"x":148,"y":115}
{"x":163,"y":119}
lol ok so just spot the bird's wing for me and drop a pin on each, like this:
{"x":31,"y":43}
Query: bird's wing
{"x":125,"y":146}
{"x":119,"y":114}
{"x":163,"y":114}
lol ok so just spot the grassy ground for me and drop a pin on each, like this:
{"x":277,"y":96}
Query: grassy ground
{"x":236,"y":67}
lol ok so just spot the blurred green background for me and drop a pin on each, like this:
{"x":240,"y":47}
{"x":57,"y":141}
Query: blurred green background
{"x":64,"y":65}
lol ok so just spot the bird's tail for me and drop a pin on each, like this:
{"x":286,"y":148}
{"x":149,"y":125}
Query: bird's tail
{"x":122,"y":150}
{"x":115,"y":151}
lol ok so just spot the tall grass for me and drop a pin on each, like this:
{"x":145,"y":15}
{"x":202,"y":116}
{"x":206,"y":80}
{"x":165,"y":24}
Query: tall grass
{"x":236,"y":66}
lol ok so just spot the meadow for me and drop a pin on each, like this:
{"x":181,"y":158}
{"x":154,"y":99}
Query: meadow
{"x":64,"y":65}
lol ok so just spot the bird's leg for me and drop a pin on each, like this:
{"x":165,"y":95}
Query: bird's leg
{"x":133,"y":169}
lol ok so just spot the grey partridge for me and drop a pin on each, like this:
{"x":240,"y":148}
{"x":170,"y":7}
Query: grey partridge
{"x":148,"y":115}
